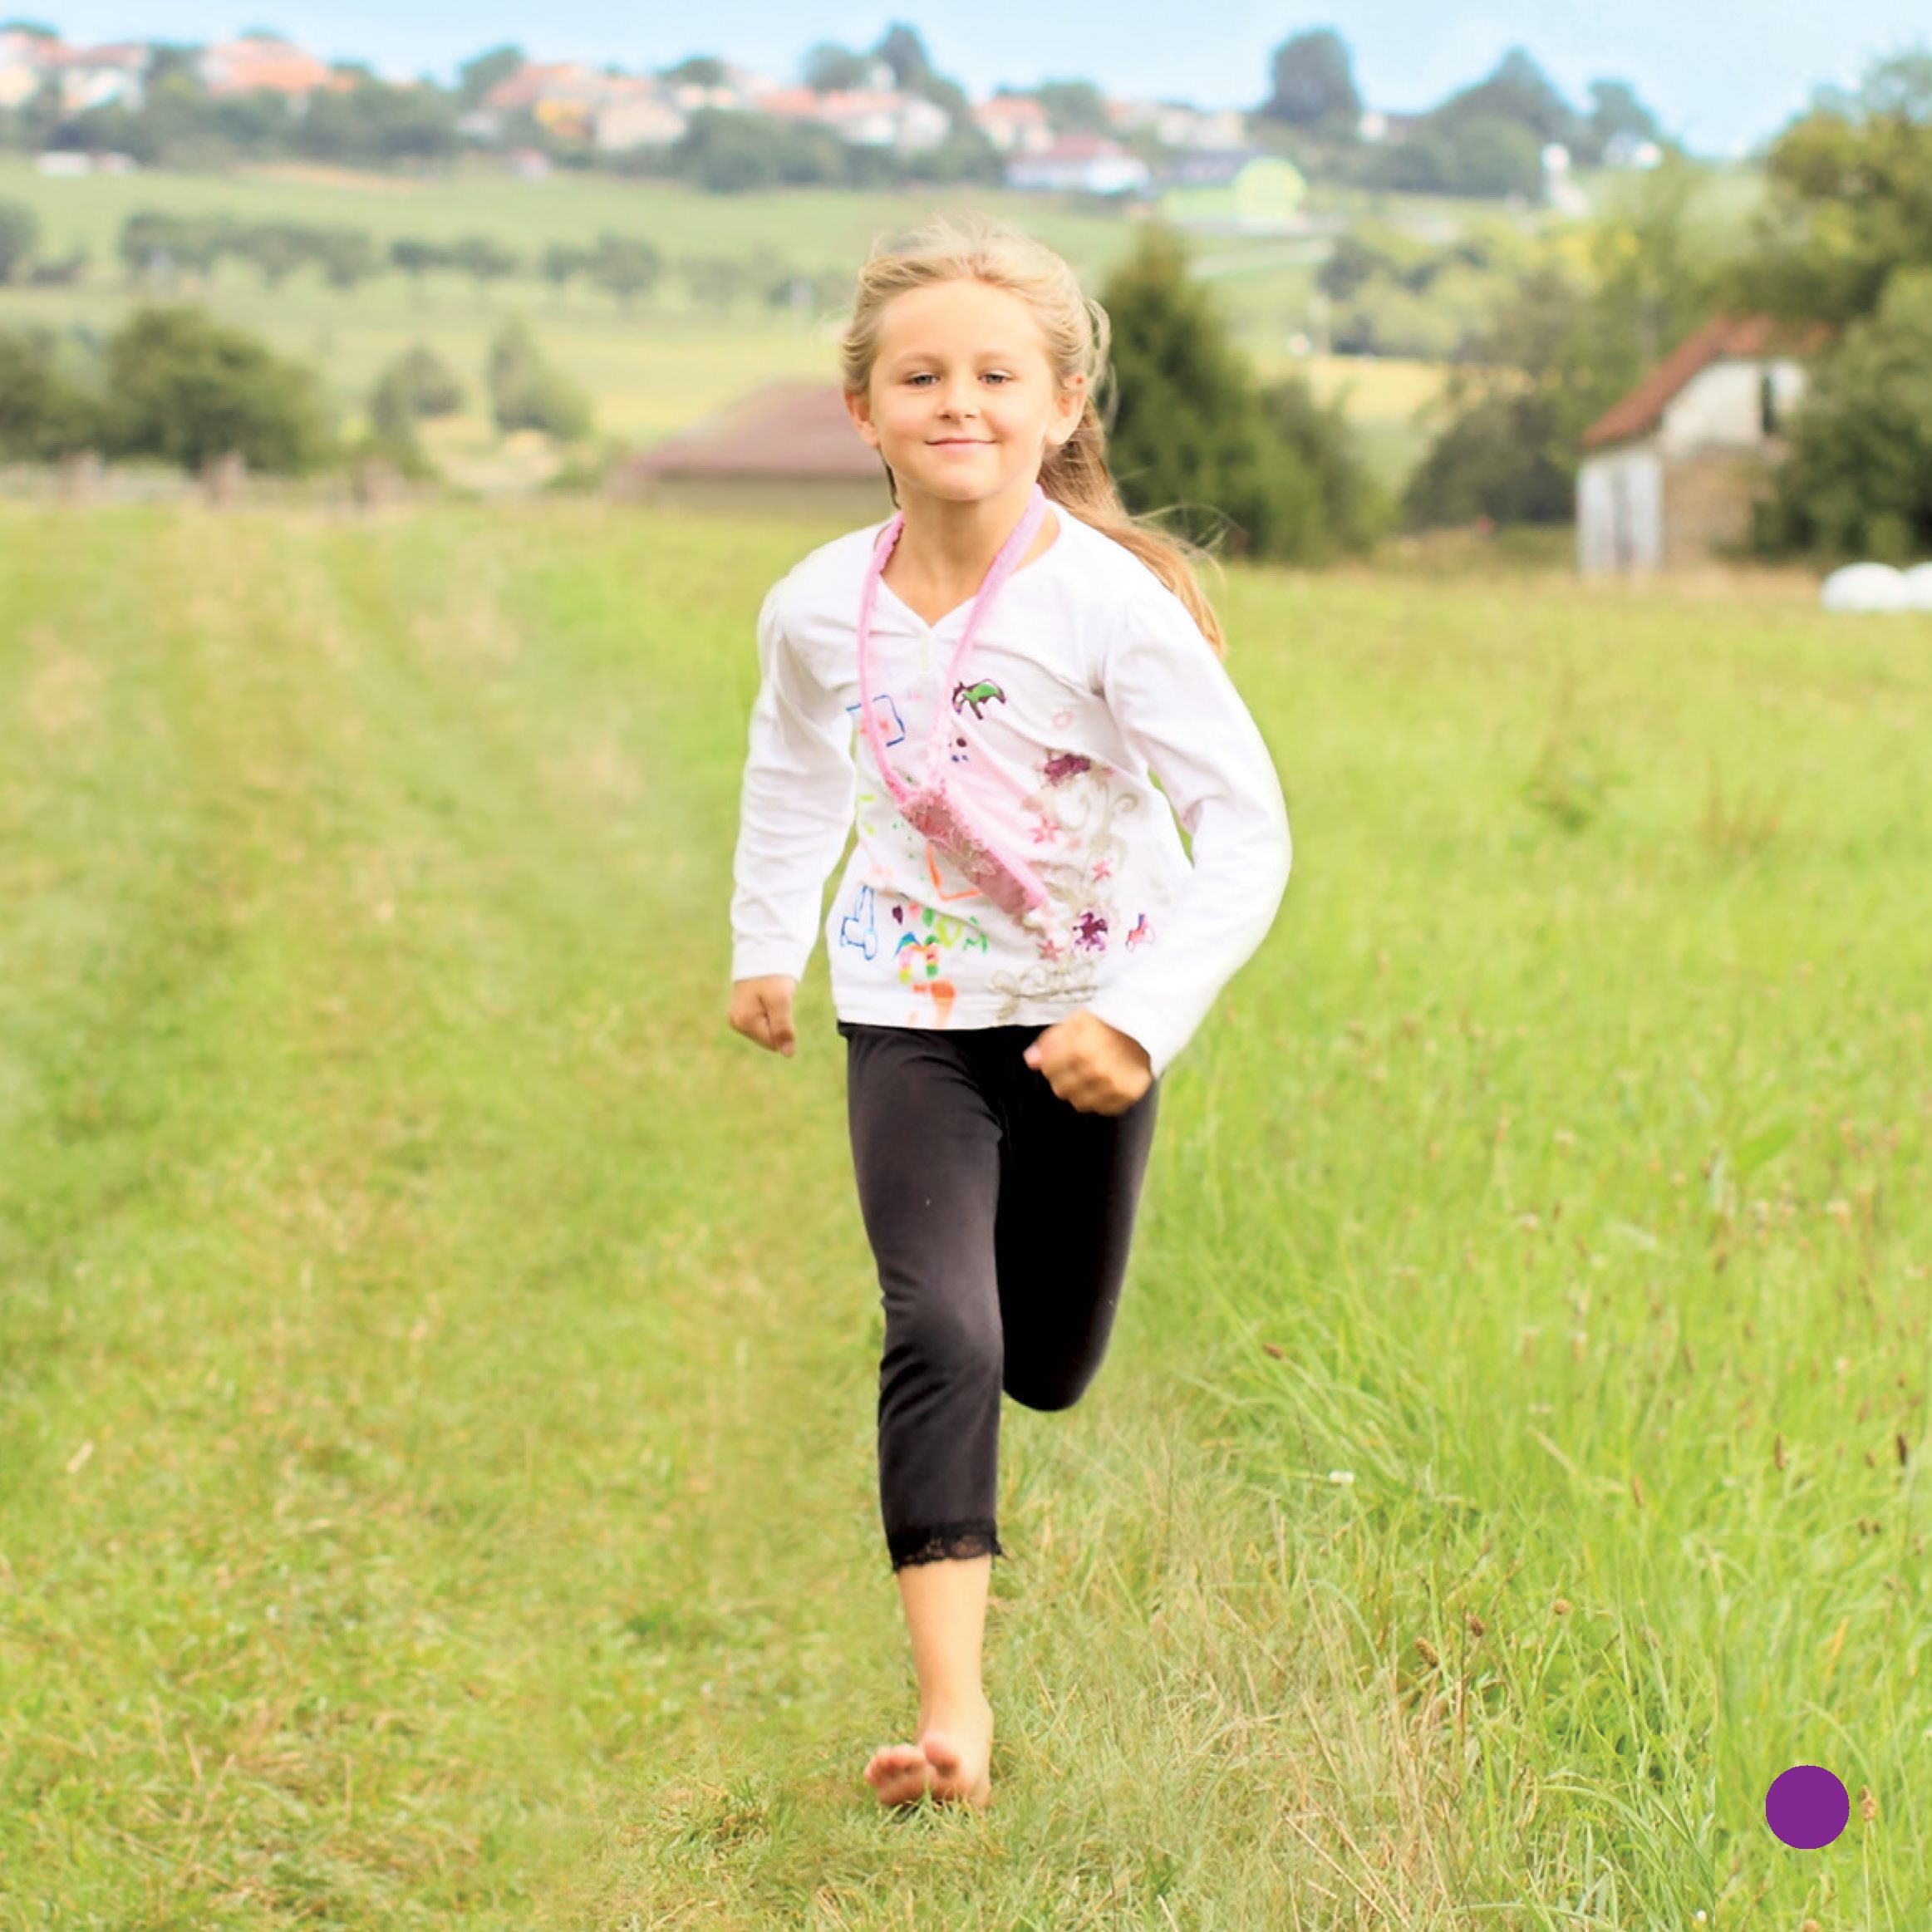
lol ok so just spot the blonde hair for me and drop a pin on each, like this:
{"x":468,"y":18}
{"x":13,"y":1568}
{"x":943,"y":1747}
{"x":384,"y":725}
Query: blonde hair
{"x":976,"y":247}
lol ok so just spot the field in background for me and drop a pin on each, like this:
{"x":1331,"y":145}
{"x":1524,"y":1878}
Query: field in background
{"x":665,"y":364}
{"x":437,"y":1359}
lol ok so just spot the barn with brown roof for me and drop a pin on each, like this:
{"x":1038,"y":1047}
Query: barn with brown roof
{"x":1670,"y":472}
{"x":786,"y":447}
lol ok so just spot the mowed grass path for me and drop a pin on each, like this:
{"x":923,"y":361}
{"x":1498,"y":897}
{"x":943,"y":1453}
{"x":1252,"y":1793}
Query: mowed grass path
{"x":437,"y":1359}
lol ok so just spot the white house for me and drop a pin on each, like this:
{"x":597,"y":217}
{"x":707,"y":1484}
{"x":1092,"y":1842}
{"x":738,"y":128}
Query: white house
{"x":1015,"y":124}
{"x":1087,"y":164}
{"x":104,"y":76}
{"x":1670,"y":472}
{"x":886,"y":119}
{"x":1175,"y":125}
{"x":644,"y":114}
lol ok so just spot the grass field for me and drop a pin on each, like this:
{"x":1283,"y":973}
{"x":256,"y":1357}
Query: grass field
{"x":653,"y":371}
{"x":437,"y":1359}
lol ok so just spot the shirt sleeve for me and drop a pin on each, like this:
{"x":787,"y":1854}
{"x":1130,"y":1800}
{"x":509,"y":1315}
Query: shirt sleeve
{"x":795,"y":807}
{"x":1176,"y":707}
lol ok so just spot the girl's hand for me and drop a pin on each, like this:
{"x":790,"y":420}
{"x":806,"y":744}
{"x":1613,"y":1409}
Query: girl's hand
{"x":761,"y":1010}
{"x":1091,"y":1065}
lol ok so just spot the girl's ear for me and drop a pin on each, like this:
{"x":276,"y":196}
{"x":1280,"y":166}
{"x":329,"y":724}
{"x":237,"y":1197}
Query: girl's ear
{"x":858,"y":407}
{"x":1073,"y":404}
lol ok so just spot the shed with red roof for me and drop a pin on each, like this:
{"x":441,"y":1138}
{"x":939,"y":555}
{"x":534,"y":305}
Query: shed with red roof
{"x":787,"y":445}
{"x":1671,"y":470}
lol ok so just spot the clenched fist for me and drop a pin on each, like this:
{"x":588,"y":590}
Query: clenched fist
{"x":761,"y":1010}
{"x":1093,"y":1067}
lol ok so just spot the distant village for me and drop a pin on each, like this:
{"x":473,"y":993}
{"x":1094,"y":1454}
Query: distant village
{"x":616,"y":114}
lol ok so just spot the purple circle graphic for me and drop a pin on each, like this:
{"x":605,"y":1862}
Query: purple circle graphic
{"x":1807,"y":1807}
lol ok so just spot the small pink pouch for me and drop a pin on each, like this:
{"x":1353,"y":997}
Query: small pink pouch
{"x":984,"y":853}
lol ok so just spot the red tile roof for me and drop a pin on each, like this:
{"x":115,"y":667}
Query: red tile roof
{"x":1750,"y":336}
{"x":797,"y":429}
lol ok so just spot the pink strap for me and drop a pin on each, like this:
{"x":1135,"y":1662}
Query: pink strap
{"x":1003,"y":566}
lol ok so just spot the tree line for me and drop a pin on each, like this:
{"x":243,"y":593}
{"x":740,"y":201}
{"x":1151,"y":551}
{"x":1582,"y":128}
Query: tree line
{"x":1483,"y":140}
{"x":157,"y":249}
{"x":173,"y":385}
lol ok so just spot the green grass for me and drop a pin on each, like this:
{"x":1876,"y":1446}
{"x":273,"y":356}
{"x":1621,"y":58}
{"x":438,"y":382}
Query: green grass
{"x":437,"y":1359}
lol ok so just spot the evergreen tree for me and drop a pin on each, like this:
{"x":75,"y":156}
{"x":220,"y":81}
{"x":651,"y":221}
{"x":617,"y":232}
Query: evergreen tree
{"x":1315,"y":84}
{"x":1189,"y":435}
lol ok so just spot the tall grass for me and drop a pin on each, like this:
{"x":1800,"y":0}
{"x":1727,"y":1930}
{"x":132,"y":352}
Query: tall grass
{"x":437,"y":1361}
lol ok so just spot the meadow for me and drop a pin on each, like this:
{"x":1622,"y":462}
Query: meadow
{"x":665,"y":362}
{"x":438,"y":1359}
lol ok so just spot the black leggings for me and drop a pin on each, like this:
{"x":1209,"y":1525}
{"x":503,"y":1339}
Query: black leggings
{"x":1000,"y":1216}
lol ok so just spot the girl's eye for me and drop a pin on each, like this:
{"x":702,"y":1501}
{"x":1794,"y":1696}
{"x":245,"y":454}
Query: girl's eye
{"x":998,"y":375}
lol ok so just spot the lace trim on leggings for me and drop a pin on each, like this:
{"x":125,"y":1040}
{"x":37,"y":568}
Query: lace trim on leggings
{"x":944,"y":1543}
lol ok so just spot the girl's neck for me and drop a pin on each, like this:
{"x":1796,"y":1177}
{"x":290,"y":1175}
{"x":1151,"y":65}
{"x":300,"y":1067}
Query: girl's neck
{"x":949,"y":544}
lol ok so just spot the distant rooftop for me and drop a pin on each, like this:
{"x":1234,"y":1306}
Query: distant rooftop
{"x":1748,"y":337}
{"x":797,"y":431}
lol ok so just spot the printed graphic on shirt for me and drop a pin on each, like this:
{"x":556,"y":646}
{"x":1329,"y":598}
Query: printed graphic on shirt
{"x":970,"y":892}
{"x":1141,"y":934}
{"x":943,"y":929}
{"x":919,"y":968}
{"x":978,"y":696}
{"x":884,"y":708}
{"x":1074,"y":812}
{"x":859,"y":929}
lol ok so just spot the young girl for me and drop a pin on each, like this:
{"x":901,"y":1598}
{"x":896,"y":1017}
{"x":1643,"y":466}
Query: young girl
{"x":1019,"y":944}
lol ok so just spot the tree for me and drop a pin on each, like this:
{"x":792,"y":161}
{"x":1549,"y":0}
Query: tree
{"x":416,"y":258}
{"x":698,"y":70}
{"x":427,"y":382}
{"x":1314,"y":86}
{"x":728,"y":153}
{"x":1329,"y":503}
{"x":19,"y":236}
{"x":1849,"y":201}
{"x":1566,"y":341}
{"x":623,"y":266}
{"x":475,"y":77}
{"x":183,"y":387}
{"x":346,"y":256}
{"x":1858,"y":481}
{"x":1519,"y":91}
{"x":1616,"y":113}
{"x":483,"y":260}
{"x":276,"y":249}
{"x":1073,"y":106}
{"x":1485,"y":156}
{"x":373,"y":122}
{"x":561,"y":262}
{"x":901,"y":48}
{"x":43,"y":415}
{"x":153,"y":243}
{"x":526,"y":393}
{"x":830,"y":68}
{"x":1496,"y":459}
{"x":418,"y":384}
{"x":1189,"y":435}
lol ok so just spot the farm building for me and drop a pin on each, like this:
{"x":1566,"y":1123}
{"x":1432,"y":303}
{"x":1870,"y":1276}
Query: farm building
{"x":1669,"y":473}
{"x":788,"y":447}
{"x":1085,"y":164}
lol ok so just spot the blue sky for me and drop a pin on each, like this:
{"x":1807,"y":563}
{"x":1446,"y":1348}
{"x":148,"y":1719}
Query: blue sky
{"x":1721,"y":73}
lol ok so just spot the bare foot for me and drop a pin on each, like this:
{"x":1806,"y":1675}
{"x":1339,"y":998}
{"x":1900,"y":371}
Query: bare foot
{"x":950,"y":1760}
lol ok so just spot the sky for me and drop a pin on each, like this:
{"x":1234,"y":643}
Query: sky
{"x":1721,"y":74}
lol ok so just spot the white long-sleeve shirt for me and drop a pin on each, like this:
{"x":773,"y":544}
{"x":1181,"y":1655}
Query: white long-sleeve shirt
{"x":1088,"y":676}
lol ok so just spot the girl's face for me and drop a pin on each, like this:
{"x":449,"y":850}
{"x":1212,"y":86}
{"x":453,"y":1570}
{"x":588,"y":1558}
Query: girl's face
{"x":963,"y":404}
